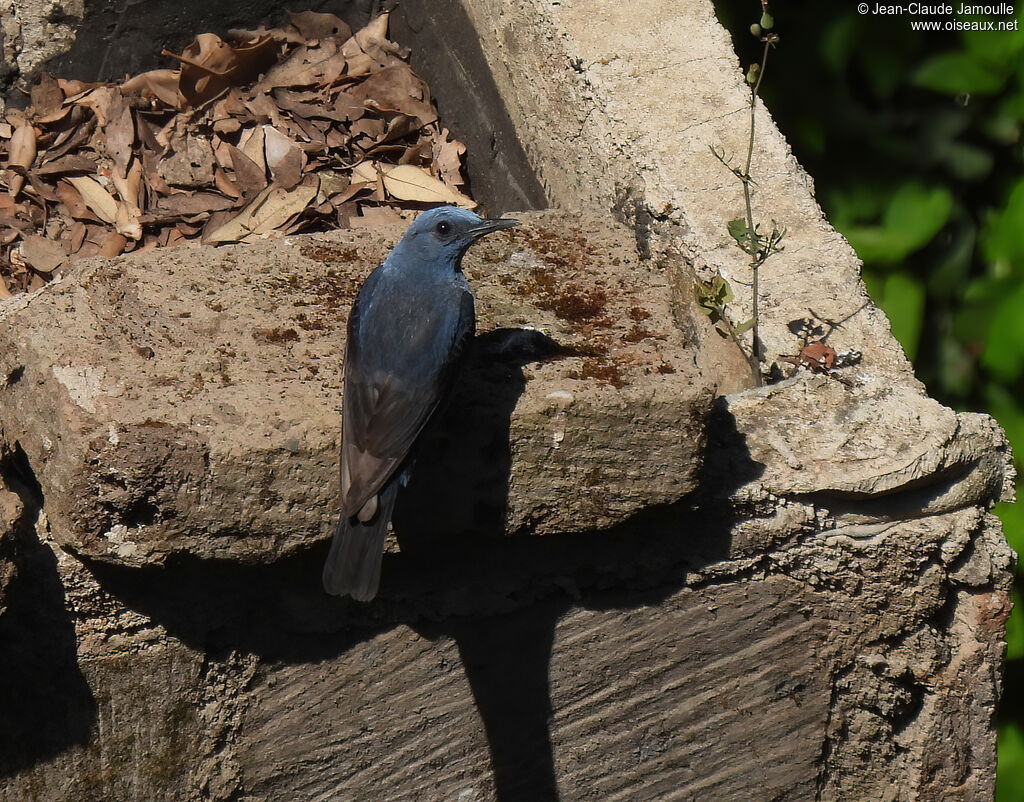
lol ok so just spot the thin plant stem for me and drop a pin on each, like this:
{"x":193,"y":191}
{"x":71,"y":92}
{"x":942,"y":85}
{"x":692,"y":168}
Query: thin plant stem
{"x":755,"y":262}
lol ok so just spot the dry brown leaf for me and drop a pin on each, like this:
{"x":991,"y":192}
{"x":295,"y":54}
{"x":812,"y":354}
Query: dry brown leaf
{"x":180,"y":206}
{"x":70,"y":163}
{"x":308,"y":66}
{"x":411,"y":183}
{"x":370,"y":173}
{"x":59,"y":115}
{"x":368,"y":131}
{"x":210,"y":65}
{"x":284,"y":159}
{"x":251,"y":144}
{"x":119,"y":132}
{"x":289,"y":101}
{"x":336,"y":139}
{"x":225,"y":185}
{"x":113,"y":245}
{"x":261,"y":107}
{"x":99,"y":201}
{"x":73,"y":88}
{"x":399,"y":127}
{"x":227,"y":126}
{"x":42,"y":254}
{"x":78,"y":232}
{"x":21,"y":154}
{"x":420,"y":153}
{"x":161,"y":85}
{"x":98,"y":99}
{"x":313,"y":25}
{"x":133,"y":184}
{"x":288,"y":34}
{"x":83,"y":124}
{"x":397,"y":89}
{"x":310,"y":131}
{"x":43,"y":191}
{"x":352,"y":190}
{"x":293,"y":127}
{"x":47,"y":97}
{"x":448,"y":155}
{"x":129,"y":186}
{"x":154,"y":181}
{"x":170,"y":236}
{"x":73,"y":202}
{"x":126,"y":221}
{"x":271,"y":209}
{"x":250,"y":176}
{"x":370,"y":48}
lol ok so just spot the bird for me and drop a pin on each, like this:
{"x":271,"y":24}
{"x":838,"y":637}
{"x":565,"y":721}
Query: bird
{"x":409,"y":329}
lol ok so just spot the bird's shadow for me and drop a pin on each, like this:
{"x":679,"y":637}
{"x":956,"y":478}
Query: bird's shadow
{"x":457,"y":575}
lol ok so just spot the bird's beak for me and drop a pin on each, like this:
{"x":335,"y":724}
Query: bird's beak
{"x":493,"y":224}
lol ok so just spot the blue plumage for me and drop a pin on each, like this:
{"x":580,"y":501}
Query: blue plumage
{"x":408,"y":329}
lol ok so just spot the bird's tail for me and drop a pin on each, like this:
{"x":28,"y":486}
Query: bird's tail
{"x":353,"y":564}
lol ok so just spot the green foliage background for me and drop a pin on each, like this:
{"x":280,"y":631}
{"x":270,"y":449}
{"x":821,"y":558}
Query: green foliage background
{"x":914,"y":140}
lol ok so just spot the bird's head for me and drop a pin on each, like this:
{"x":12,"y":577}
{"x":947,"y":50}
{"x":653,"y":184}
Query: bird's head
{"x":444,"y":234}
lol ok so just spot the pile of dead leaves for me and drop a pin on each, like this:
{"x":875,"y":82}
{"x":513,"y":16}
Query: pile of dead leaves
{"x":269,"y":133}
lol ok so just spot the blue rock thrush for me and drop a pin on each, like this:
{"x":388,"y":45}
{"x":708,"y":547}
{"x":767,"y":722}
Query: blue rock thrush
{"x":408,"y":330}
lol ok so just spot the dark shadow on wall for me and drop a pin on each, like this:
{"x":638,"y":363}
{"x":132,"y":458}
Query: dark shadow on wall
{"x":498,"y":597}
{"x":119,"y":37}
{"x":446,"y":51}
{"x":46,"y":705}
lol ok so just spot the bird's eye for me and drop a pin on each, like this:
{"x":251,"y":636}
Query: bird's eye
{"x":444,"y":228}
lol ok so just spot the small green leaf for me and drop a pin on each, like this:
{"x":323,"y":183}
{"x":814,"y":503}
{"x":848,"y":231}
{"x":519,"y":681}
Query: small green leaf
{"x":1004,"y":340}
{"x":767,"y":21}
{"x":1001,"y":239}
{"x":721,"y":289}
{"x":1005,"y":407}
{"x":1015,"y":630}
{"x":756,"y":30}
{"x":1010,"y":779}
{"x":744,"y":327}
{"x":915,"y":214}
{"x":957,"y":73}
{"x":712,"y":296}
{"x":903,"y":302}
{"x":738,"y":231}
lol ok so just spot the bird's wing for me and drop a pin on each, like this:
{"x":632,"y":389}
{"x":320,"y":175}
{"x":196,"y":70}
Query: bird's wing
{"x":384,"y":413}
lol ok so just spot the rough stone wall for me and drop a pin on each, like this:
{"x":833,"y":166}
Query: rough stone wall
{"x":606,"y":583}
{"x":31,"y":32}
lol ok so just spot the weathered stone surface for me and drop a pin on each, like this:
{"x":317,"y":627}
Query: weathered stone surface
{"x":190,"y":404}
{"x":618,"y":111}
{"x":32,"y":31}
{"x":798,"y":596}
